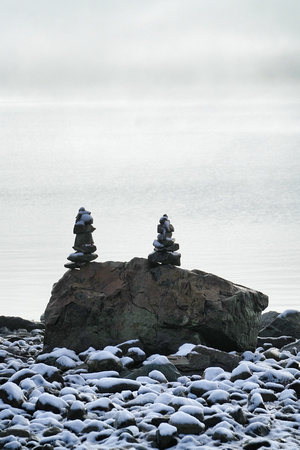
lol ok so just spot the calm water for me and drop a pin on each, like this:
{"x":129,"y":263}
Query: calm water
{"x":225,"y":171}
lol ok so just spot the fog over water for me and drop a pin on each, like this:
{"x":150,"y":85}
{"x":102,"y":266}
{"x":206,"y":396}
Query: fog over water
{"x":134,"y":109}
{"x":75,"y":46}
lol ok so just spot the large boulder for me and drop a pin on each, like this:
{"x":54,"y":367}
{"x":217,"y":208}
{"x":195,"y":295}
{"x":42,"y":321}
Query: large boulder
{"x":164,"y":306}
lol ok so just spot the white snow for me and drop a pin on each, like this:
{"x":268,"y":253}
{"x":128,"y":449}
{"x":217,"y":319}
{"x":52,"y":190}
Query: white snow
{"x":212,"y":372}
{"x":112,"y":349}
{"x":255,"y":401}
{"x":13,"y":391}
{"x":164,"y":398}
{"x":218,"y":396}
{"x":99,"y":375}
{"x":65,"y":436}
{"x":277,"y":376}
{"x":149,"y":399}
{"x":50,"y":399}
{"x":43,"y":369}
{"x":158,"y":376}
{"x":19,"y":420}
{"x":204,"y":385}
{"x":75,"y":425}
{"x":165,"y":429}
{"x":161,"y":408}
{"x":39,"y":381}
{"x":68,"y":390}
{"x":102,"y":355}
{"x":137,"y":351}
{"x":181,"y":417}
{"x":110,"y":382}
{"x":246,"y":386}
{"x":100,"y":403}
{"x":223,"y":434}
{"x":157,"y":360}
{"x":185,"y":349}
{"x":21,"y":373}
{"x":57,"y":353}
{"x":242,"y":368}
{"x":287,"y":394}
{"x":144,"y":399}
{"x":192,"y":409}
{"x":249,"y":356}
{"x":66,"y":362}
{"x":47,"y":418}
{"x":146,"y":380}
{"x":287,"y":312}
{"x":126,"y":360}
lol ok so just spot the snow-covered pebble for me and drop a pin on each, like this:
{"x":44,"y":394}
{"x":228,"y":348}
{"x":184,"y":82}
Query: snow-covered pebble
{"x":217,"y":396}
{"x":124,"y":419}
{"x":213,"y":372}
{"x":11,"y":394}
{"x":202,"y":386}
{"x":101,"y":404}
{"x":277,"y":376}
{"x":112,"y":385}
{"x":106,"y":398}
{"x":241,"y":372}
{"x":50,"y":402}
{"x":158,"y":376}
{"x":77,"y":410}
{"x":136,"y":354}
{"x":142,"y":399}
{"x":257,"y":429}
{"x":224,"y":435}
{"x":186,"y":424}
{"x":195,"y":411}
{"x":255,"y":401}
{"x":166,"y":435}
{"x":103,"y":360}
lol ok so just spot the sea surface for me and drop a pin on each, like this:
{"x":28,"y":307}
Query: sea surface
{"x":225,"y":170}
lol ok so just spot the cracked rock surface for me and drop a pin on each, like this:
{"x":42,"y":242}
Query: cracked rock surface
{"x":164,"y":306}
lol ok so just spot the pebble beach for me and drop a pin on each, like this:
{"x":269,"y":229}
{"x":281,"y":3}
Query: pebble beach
{"x":102,"y":399}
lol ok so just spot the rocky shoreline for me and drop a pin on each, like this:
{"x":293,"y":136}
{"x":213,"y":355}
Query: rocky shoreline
{"x":119,"y":398}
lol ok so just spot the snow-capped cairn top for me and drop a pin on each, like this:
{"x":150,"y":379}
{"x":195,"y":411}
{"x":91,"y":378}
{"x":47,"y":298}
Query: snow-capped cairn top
{"x":164,"y":246}
{"x":84,"y":245}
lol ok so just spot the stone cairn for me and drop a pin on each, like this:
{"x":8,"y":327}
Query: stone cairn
{"x":84,"y":245}
{"x":164,"y":246}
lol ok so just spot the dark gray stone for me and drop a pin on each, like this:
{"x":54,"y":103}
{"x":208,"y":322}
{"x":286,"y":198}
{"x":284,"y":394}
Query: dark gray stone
{"x":172,"y":258}
{"x":16,"y":323}
{"x":285,"y":324}
{"x":277,"y":342}
{"x":267,"y":318}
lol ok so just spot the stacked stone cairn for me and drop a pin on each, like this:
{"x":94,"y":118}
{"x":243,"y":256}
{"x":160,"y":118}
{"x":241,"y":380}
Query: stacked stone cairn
{"x":164,"y":246}
{"x":84,"y":245}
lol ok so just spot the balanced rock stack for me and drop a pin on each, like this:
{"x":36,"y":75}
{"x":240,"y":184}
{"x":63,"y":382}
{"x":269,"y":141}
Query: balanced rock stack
{"x":164,"y":246}
{"x":84,"y":245}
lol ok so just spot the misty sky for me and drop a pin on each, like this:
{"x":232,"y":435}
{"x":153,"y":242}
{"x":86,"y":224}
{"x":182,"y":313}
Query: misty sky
{"x":77,"y":45}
